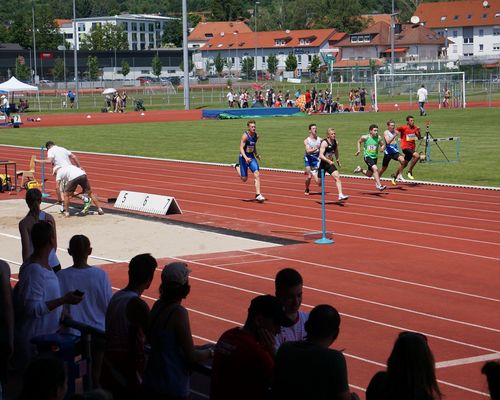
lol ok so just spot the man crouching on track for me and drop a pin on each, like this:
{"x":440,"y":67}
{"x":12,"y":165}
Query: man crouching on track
{"x":68,"y":178}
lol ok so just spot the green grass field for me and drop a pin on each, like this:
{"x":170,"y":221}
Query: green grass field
{"x":281,"y":141}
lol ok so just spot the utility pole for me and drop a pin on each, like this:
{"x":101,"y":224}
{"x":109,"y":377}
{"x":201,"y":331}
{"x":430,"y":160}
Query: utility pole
{"x":75,"y":54}
{"x":185,"y":54}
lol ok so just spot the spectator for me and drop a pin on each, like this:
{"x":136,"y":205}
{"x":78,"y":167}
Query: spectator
{"x":309,"y":369}
{"x":23,"y":105}
{"x":288,"y":289}
{"x":5,"y":105}
{"x":71,"y":97}
{"x":230,"y":98}
{"x":124,"y":99}
{"x":44,"y":379}
{"x":126,"y":322}
{"x":38,"y":295}
{"x":244,"y":357}
{"x":34,"y":200}
{"x":492,"y":371}
{"x":6,"y":323}
{"x":95,"y":284}
{"x":172,"y":350}
{"x":362,"y":96}
{"x":410,"y":372}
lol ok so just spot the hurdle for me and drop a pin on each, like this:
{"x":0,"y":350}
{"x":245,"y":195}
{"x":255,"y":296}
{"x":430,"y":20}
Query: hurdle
{"x":324,"y":239}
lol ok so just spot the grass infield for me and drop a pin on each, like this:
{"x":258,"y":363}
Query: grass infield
{"x":281,"y":141}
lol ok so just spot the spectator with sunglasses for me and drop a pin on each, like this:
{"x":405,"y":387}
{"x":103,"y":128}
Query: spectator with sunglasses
{"x":410,"y":373}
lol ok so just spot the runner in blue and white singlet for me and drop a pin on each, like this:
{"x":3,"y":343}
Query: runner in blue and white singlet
{"x":391,"y":149}
{"x":312,"y":144}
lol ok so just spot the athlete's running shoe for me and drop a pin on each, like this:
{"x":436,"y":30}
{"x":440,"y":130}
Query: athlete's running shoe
{"x":358,"y":169}
{"x":86,"y":206}
{"x":400,"y":178}
{"x":381,"y":187}
{"x":393,"y":180}
{"x":100,"y":212}
{"x":410,"y":176}
{"x":343,"y":197}
{"x":306,"y":192}
{"x":235,"y":165}
{"x":260,"y":198}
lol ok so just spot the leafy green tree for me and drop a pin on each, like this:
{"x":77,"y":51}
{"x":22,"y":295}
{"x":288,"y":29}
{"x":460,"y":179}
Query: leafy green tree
{"x":219,"y":64}
{"x":105,"y":37}
{"x":58,"y":71}
{"x":172,"y":33}
{"x":46,"y":29}
{"x":272,"y":64}
{"x":125,"y":68}
{"x":315,"y":64}
{"x":92,"y":68}
{"x":247,"y":67}
{"x":227,"y":10}
{"x":156,"y":65}
{"x":193,"y":20}
{"x":22,"y":70}
{"x":291,"y":62}
{"x":190,"y":65}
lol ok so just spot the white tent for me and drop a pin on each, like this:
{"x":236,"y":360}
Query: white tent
{"x":14,"y":85}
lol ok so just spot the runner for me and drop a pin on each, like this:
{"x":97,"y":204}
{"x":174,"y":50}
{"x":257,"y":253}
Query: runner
{"x":248,"y":158}
{"x":312,"y":144}
{"x":409,"y":134}
{"x":329,"y":148}
{"x":69,"y":177}
{"x":372,"y":142}
{"x":391,"y":151}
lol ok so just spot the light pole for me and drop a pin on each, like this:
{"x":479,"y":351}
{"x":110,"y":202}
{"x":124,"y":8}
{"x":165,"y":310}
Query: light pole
{"x":185,"y":54}
{"x":75,"y":54}
{"x":63,"y":49}
{"x":446,"y":43}
{"x":256,"y":35}
{"x":392,"y":46}
{"x":236,"y":58}
{"x":114,"y":69}
{"x":34,"y":40}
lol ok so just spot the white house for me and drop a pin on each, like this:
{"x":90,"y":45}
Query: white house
{"x":472,"y":25}
{"x":144,"y":31}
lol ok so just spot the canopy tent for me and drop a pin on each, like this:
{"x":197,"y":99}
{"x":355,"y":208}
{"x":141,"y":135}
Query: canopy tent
{"x":14,"y":85}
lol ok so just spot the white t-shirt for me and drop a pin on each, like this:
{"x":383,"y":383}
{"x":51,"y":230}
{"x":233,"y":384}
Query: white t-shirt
{"x":5,"y":103}
{"x":68,"y":173}
{"x":293,"y":333}
{"x":422,"y":94}
{"x":230,"y":97}
{"x":60,"y":156}
{"x":94,"y":283}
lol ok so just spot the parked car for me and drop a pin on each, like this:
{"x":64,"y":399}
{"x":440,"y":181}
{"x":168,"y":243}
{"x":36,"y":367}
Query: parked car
{"x":147,"y":79}
{"x":174,"y":80}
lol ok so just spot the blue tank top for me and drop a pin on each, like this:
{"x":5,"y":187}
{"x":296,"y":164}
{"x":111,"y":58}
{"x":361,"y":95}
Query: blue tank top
{"x":393,"y":147}
{"x":250,"y":143}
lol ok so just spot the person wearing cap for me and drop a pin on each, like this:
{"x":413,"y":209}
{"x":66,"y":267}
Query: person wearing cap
{"x":169,"y":333}
{"x":126,"y":323}
{"x":244,"y":357}
{"x":5,"y":105}
{"x":309,"y":369}
{"x":69,"y":178}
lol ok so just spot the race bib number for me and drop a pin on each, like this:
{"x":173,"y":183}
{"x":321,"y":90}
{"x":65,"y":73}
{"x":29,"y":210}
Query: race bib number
{"x":250,"y":149}
{"x":372,"y":148}
{"x":411,"y":137}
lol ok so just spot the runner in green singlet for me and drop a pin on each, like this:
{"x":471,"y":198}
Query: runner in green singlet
{"x":372,"y":143}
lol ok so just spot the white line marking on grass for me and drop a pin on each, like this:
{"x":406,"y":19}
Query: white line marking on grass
{"x":468,"y":360}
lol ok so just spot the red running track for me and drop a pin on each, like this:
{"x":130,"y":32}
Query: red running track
{"x":416,"y":257}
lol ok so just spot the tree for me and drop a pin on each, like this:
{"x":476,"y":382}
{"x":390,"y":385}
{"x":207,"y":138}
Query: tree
{"x":47,"y":31}
{"x":58,"y":71}
{"x":22,"y":70}
{"x":291,"y":62}
{"x":190,"y":65}
{"x":247,"y":67}
{"x":105,"y":37}
{"x":92,"y":68}
{"x":219,"y":64}
{"x":172,"y":33}
{"x":156,"y":65}
{"x":272,"y":64}
{"x":125,"y":68}
{"x":227,"y":10}
{"x":193,"y":19}
{"x":315,"y":63}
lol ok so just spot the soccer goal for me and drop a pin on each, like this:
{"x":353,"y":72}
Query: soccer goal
{"x":445,"y":89}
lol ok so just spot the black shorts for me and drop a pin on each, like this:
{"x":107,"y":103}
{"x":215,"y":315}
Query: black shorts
{"x":328,"y":168}
{"x":388,"y":158}
{"x":82,"y":181}
{"x":370,"y":162}
{"x":408,"y":154}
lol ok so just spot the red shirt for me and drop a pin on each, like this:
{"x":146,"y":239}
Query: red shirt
{"x":242,"y":368}
{"x":409,"y":135}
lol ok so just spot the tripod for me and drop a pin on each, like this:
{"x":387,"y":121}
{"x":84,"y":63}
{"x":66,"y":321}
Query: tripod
{"x":428,"y":139}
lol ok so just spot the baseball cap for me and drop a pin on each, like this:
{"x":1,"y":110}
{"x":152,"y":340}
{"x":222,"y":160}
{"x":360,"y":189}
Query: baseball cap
{"x":270,"y":307}
{"x":175,"y":273}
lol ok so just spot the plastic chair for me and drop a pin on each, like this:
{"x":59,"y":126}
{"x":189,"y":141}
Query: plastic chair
{"x":28,"y":174}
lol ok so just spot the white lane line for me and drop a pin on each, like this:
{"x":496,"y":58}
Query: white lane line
{"x":468,"y":360}
{"x":375,"y":276}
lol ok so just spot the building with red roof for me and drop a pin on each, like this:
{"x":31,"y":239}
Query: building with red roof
{"x":205,"y":31}
{"x":472,"y":25}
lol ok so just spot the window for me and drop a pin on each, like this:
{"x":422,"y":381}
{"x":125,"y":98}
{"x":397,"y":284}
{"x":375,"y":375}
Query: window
{"x":134,"y":46}
{"x":496,"y":47}
{"x":68,"y":35}
{"x":481,"y":47}
{"x":497,"y":15}
{"x":485,"y":15}
{"x":468,"y":40}
{"x":157,"y":25}
{"x":81,"y":27}
{"x":366,"y":38}
{"x":481,"y":32}
{"x":496,"y":31}
{"x":279,"y":42}
{"x":151,"y":38}
{"x":142,"y":27}
{"x":143,"y":37}
{"x":151,"y":27}
{"x":354,"y":39}
{"x":124,"y":26}
{"x":134,"y":26}
{"x":469,"y":16}
{"x":443,"y":18}
{"x":468,"y":54}
{"x":134,"y":36}
{"x":455,"y":17}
